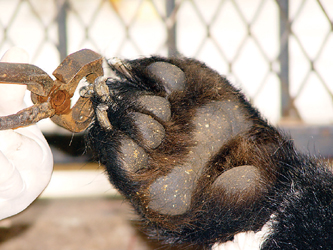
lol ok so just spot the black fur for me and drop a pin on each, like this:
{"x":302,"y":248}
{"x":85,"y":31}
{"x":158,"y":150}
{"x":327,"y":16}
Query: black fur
{"x":292,"y":189}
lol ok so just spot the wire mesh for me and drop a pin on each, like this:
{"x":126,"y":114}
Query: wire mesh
{"x":280,"y":57}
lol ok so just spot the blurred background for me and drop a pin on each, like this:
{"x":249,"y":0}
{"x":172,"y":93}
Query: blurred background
{"x":279,"y":52}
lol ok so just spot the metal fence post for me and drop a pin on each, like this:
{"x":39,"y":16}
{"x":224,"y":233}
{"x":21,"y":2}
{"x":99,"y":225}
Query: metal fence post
{"x":171,"y":31}
{"x":284,"y":56}
{"x":288,"y":109}
{"x":62,"y":27}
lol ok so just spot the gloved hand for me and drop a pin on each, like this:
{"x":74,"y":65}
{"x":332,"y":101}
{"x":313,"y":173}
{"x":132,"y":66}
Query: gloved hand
{"x":26,"y":161}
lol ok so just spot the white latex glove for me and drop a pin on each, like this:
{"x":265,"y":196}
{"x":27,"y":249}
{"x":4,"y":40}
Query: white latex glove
{"x":26,"y":161}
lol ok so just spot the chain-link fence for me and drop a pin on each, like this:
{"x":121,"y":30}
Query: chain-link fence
{"x":278,"y":51}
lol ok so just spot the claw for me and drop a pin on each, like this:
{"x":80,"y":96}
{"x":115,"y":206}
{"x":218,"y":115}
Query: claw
{"x":102,"y":116}
{"x":101,"y":89}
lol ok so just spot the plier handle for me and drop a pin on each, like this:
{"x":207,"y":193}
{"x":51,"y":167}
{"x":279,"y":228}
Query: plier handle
{"x":52,"y":98}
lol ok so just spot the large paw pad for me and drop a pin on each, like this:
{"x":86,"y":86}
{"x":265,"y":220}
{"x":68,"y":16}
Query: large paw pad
{"x":215,"y":123}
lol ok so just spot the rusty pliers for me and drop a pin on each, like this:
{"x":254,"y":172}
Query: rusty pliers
{"x":52,"y":98}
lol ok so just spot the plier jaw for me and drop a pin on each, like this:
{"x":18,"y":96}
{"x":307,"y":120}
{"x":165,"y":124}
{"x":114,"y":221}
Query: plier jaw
{"x":52,"y":98}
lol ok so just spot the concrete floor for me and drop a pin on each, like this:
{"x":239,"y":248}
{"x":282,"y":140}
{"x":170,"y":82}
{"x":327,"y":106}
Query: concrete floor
{"x":75,"y":224}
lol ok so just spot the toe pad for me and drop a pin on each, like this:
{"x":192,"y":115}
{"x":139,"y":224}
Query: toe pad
{"x":171,"y":76}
